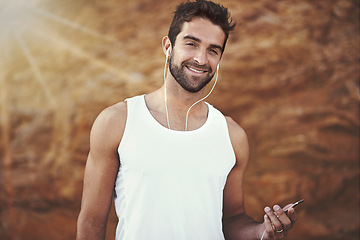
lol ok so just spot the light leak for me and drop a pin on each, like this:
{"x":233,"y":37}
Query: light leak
{"x":16,"y":14}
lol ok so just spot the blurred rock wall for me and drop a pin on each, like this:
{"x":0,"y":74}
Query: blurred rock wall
{"x":290,"y":77}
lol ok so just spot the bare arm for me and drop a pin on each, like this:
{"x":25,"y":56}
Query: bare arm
{"x":237,"y":224}
{"x":100,"y":172}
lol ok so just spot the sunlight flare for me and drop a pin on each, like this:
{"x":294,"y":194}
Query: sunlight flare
{"x":35,"y":69}
{"x":16,"y":14}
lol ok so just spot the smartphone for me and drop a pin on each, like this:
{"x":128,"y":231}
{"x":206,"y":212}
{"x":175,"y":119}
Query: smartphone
{"x":294,"y":205}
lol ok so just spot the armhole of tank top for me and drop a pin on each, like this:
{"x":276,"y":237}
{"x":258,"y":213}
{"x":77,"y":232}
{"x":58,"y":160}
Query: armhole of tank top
{"x":222,"y":117}
{"x":127,"y":123}
{"x":229,"y":138}
{"x":209,"y":117}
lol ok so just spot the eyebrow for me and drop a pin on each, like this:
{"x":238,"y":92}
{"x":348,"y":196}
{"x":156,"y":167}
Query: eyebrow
{"x":199,"y":41}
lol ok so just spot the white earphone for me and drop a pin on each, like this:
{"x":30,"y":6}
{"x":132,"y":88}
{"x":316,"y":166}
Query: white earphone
{"x":165,"y":93}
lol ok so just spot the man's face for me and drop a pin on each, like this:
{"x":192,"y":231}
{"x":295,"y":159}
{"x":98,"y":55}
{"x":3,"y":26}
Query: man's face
{"x":197,"y":51}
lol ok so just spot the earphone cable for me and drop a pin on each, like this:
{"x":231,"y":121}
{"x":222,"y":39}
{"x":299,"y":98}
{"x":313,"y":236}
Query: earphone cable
{"x":187,"y":113}
{"x":165,"y":92}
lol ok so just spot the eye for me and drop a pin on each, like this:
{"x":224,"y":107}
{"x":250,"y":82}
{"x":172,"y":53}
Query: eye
{"x":214,"y":51}
{"x":190,"y":44}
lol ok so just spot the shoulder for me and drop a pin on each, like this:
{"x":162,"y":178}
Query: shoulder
{"x":112,"y":116}
{"x":239,"y":140}
{"x":237,"y":133}
{"x":113,"y":112}
{"x":109,"y":125}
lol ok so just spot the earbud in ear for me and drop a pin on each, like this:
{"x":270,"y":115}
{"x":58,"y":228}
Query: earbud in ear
{"x":167,"y":52}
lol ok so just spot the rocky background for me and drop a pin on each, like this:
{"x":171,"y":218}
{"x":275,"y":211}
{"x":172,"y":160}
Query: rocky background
{"x":290,"y":77}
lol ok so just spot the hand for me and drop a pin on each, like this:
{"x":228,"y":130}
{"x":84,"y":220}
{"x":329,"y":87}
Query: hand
{"x":277,"y":223}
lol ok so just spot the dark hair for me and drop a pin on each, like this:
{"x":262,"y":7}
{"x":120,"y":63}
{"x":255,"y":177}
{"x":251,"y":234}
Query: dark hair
{"x":216,"y":13}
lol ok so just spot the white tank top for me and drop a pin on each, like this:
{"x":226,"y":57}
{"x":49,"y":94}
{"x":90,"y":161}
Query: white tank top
{"x":170,"y":183}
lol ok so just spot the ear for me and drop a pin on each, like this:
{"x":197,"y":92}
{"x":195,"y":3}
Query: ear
{"x":166,"y":45}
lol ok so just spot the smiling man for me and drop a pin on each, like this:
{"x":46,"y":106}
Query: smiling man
{"x":195,"y":34}
{"x":177,"y":174}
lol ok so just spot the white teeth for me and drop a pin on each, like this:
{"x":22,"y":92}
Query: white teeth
{"x":197,"y":71}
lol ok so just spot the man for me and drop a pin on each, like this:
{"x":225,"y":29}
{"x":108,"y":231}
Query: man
{"x":175,"y":162}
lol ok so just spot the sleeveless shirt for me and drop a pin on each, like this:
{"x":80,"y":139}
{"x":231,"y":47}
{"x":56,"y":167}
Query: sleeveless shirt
{"x":170,"y":183}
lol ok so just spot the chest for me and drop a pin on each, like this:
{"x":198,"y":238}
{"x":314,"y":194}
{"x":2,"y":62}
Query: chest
{"x":185,"y":157}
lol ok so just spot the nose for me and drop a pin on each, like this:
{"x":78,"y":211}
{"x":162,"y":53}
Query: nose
{"x":201,"y":57}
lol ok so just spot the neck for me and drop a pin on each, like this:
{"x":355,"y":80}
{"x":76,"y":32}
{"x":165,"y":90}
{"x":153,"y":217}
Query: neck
{"x":183,"y":97}
{"x":177,"y":111}
{"x":178,"y":104}
{"x":179,"y":97}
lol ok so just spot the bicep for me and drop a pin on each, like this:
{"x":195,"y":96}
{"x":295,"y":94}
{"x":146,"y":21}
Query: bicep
{"x":101,"y":168}
{"x":233,"y":191}
{"x":99,"y":180}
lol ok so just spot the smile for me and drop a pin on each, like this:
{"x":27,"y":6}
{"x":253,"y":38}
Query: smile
{"x":196,"y":70}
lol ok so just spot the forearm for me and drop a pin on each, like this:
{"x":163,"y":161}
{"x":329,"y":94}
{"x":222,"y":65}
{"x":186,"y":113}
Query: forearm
{"x":240,"y":227}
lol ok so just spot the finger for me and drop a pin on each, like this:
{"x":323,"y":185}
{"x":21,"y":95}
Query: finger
{"x":269,"y":229}
{"x":283,"y":218}
{"x":287,"y":207}
{"x":274,"y":219}
{"x":292,"y":215}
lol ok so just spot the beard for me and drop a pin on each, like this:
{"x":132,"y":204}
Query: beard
{"x":178,"y":72}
